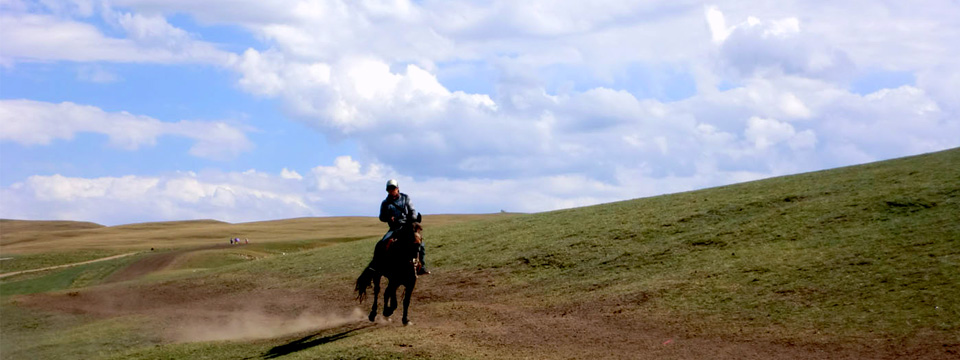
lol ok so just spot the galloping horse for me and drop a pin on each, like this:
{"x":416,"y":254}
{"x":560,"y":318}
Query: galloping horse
{"x":397,"y":259}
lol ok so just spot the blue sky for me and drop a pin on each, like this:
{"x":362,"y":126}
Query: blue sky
{"x":167,"y":93}
{"x":147,"y":110}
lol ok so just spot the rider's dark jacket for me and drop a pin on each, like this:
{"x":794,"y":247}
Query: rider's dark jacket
{"x":401,"y":209}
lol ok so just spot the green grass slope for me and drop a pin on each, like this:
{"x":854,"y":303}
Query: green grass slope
{"x":860,"y":251}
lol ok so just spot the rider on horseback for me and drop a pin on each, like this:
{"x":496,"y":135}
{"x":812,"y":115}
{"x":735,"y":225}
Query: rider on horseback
{"x":397,"y":210}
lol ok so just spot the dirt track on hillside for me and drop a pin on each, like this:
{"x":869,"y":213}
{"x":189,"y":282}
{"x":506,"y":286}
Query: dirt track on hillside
{"x":66,"y":265}
{"x":457,"y":305}
{"x":154,"y":263}
{"x":149,"y":264}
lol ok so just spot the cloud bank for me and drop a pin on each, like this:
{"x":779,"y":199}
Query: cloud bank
{"x":31,"y":122}
{"x":482,"y":106}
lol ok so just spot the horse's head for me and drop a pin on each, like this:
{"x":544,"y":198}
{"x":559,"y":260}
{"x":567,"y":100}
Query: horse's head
{"x":417,"y":233}
{"x":410,"y":234}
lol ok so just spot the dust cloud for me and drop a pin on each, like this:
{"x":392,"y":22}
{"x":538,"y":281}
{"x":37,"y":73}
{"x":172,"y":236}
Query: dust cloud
{"x":253,"y":324}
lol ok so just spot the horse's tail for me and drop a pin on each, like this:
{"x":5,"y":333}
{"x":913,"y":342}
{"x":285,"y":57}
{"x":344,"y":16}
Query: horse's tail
{"x":363,"y":282}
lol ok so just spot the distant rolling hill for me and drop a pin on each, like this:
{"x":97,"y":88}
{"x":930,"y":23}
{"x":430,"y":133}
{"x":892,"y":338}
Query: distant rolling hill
{"x":23,"y":236}
{"x":8,"y":226}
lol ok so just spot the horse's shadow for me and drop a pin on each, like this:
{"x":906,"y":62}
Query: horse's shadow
{"x":313,"y":340}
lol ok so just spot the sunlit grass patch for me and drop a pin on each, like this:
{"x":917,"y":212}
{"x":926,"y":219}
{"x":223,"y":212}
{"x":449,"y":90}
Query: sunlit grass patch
{"x":63,"y":278}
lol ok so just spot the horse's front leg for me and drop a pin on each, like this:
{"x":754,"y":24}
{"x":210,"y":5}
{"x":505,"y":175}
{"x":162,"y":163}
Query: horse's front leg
{"x":407,"y":294}
{"x":376,"y":295}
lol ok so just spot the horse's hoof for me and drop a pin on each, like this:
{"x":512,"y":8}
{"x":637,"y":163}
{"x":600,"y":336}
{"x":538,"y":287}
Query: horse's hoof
{"x":372,"y":317}
{"x":407,"y":322}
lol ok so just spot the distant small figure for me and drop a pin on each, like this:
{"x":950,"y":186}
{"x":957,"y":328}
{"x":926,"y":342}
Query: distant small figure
{"x":246,"y":241}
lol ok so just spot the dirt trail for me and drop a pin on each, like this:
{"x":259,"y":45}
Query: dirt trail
{"x":66,"y":265}
{"x":154,"y":263}
{"x":139,"y":268}
{"x":464,"y":307}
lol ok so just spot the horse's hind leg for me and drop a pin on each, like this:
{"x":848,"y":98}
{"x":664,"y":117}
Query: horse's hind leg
{"x":390,"y":300}
{"x":407,"y":294}
{"x":376,"y":295}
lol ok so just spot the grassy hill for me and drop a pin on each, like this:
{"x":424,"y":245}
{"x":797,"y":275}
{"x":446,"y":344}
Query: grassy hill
{"x":8,"y":226}
{"x":857,"y":262}
{"x":872,"y":249}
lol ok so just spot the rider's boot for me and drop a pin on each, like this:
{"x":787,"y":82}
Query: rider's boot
{"x":423,"y":265}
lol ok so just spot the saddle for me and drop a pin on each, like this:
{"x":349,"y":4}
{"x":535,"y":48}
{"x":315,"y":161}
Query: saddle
{"x":417,"y":240}
{"x":390,"y":241}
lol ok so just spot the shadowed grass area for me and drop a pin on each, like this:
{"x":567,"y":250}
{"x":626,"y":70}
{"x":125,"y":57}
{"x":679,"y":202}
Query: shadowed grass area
{"x":33,"y":335}
{"x":355,"y":341}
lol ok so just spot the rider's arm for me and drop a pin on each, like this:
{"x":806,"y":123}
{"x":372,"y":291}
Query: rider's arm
{"x":411,"y":212}
{"x":385,"y":213}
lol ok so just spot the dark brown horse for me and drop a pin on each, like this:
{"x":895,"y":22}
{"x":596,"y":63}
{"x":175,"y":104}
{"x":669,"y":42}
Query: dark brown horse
{"x":397,"y":259}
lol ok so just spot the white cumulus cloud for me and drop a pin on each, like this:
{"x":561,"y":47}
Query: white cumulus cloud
{"x":764,"y":133}
{"x":32,"y":37}
{"x":346,"y":187}
{"x":756,"y":47}
{"x":31,"y":122}
{"x":127,"y":199}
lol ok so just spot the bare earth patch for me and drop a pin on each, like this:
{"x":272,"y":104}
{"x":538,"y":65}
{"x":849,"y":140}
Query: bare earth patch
{"x":455,"y":305}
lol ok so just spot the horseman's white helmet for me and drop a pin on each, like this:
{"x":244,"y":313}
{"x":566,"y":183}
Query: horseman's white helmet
{"x":392,"y":182}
